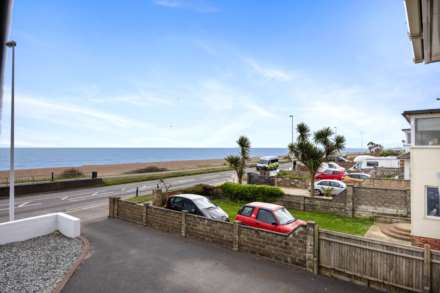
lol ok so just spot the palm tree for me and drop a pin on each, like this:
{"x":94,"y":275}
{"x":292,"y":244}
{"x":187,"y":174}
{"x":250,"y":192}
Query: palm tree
{"x":307,"y":153}
{"x":329,"y":144}
{"x":238,"y":163}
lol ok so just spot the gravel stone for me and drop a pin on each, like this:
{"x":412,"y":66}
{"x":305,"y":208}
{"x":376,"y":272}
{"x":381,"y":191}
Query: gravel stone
{"x":36,"y":265}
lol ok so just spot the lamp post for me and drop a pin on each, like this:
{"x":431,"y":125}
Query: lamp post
{"x":12,"y":44}
{"x":293,"y":161}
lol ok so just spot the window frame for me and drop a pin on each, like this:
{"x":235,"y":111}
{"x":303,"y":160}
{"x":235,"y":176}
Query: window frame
{"x":414,"y":131}
{"x":270,"y":212}
{"x":244,"y":207}
{"x":426,"y":216}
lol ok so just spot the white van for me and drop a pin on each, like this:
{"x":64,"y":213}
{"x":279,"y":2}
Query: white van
{"x":268,"y":163}
{"x":370,"y":162}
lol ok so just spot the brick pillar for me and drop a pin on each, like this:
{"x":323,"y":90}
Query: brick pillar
{"x":427,"y":269}
{"x":236,"y":236}
{"x":312,"y":247}
{"x":145,"y":214}
{"x":183,"y":227}
{"x":113,"y":207}
{"x":349,"y":201}
{"x":408,"y":202}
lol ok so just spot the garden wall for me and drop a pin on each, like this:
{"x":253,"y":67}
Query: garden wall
{"x":290,"y":249}
{"x":356,"y":201}
{"x":377,"y":264}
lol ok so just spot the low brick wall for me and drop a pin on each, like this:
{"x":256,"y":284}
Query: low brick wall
{"x":387,"y":183}
{"x":356,"y":201}
{"x":29,"y":188}
{"x":293,"y":183}
{"x":296,"y":248}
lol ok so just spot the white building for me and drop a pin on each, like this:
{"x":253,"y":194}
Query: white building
{"x":425,"y":175}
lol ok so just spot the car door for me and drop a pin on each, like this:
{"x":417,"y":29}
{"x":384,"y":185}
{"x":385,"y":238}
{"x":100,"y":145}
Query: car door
{"x":266,"y":220}
{"x":189,"y":206}
{"x":245,"y":216}
{"x":336,"y":187}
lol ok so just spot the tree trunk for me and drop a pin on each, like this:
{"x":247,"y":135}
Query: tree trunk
{"x":312,"y":184}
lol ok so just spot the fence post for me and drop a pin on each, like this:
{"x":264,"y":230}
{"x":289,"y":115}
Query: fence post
{"x":145,"y":214}
{"x":349,"y":200}
{"x":52,"y":177}
{"x":310,"y":247}
{"x":316,"y":250}
{"x":427,"y":269}
{"x":236,"y":236}
{"x":183,"y":227}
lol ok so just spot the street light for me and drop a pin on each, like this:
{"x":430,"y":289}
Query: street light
{"x":293,"y":161}
{"x":12,"y":44}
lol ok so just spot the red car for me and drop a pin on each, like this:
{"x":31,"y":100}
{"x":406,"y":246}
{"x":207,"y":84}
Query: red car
{"x":268,"y":216}
{"x":330,"y":174}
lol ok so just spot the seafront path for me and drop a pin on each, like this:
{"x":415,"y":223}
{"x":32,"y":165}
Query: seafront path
{"x":91,"y":204}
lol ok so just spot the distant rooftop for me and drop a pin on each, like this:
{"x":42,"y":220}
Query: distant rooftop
{"x":409,"y":113}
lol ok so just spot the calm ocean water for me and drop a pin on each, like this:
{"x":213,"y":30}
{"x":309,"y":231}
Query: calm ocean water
{"x":73,"y":157}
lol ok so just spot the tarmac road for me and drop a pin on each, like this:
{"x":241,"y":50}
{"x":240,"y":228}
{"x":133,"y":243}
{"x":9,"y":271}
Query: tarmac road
{"x":90,"y":204}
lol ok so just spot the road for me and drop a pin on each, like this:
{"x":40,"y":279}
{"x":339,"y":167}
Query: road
{"x":91,"y":203}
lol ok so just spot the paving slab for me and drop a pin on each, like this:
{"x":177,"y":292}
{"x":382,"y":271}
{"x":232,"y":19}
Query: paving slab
{"x":132,"y":258}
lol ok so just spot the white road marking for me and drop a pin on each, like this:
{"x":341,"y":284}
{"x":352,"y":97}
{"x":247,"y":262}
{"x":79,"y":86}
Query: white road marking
{"x":24,"y":204}
{"x":65,"y":197}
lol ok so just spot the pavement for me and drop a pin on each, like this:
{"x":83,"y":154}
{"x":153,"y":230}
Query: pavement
{"x":132,"y":258}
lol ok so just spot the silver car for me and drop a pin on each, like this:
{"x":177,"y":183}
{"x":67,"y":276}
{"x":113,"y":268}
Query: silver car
{"x":335,"y":186}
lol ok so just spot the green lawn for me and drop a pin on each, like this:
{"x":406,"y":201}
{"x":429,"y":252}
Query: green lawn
{"x":355,"y":226}
{"x":141,"y":198}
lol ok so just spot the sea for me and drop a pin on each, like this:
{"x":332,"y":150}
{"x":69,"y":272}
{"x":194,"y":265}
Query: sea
{"x":30,"y":158}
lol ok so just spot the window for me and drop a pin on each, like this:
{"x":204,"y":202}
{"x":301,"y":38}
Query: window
{"x":189,"y":206}
{"x":432,"y":201}
{"x":177,"y":202}
{"x":266,"y":216}
{"x":428,"y":131}
{"x":284,"y":217}
{"x":246,"y":211}
{"x":372,"y":163}
{"x":203,"y":203}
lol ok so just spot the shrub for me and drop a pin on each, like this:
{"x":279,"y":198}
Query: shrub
{"x":148,"y":169}
{"x":71,"y":173}
{"x":204,"y":189}
{"x":238,"y":192}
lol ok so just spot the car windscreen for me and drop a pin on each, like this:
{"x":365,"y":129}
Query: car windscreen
{"x":203,"y":203}
{"x":263,"y":162}
{"x":283,"y":216}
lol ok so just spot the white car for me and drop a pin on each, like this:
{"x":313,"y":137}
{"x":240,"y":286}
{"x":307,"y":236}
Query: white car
{"x":330,"y":166}
{"x":335,"y":186}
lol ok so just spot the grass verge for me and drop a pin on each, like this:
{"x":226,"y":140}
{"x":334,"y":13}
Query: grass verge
{"x":354,"y":226}
{"x":141,"y":198}
{"x":162,"y":175}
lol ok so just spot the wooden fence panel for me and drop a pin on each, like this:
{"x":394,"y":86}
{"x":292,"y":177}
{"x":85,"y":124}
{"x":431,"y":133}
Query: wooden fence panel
{"x":435,"y":271}
{"x":375,"y":263}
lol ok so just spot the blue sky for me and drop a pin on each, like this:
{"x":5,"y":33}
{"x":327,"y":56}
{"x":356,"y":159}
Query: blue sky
{"x":199,"y":73}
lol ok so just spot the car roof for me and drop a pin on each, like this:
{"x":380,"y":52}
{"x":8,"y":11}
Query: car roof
{"x":332,"y":180}
{"x":189,"y":196}
{"x":269,"y":206}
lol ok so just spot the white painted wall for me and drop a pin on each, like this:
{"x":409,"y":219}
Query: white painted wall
{"x":425,"y":165}
{"x":29,"y":228}
{"x":406,"y":170}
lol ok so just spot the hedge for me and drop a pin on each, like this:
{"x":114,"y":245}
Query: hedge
{"x":239,"y":192}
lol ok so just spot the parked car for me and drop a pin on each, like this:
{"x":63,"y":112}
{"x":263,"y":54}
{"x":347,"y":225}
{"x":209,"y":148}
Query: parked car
{"x":330,"y":174}
{"x":268,"y":163}
{"x":268,"y":216}
{"x":359,"y":175}
{"x":197,"y":205}
{"x":330,"y":166}
{"x":335,"y":186}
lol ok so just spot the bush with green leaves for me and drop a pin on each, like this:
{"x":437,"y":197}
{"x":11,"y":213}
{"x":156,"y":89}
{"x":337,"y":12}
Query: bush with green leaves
{"x":238,"y":192}
{"x":273,"y":166}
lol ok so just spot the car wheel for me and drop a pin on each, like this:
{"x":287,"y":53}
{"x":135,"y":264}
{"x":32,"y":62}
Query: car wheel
{"x":318,"y":191}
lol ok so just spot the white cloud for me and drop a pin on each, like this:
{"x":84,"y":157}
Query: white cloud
{"x":201,"y":6}
{"x":268,"y":72}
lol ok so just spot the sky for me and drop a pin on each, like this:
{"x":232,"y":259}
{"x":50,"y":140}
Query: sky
{"x":200,"y":73}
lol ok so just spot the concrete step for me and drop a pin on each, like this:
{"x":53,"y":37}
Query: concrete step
{"x":392,"y":231}
{"x":403,"y":227}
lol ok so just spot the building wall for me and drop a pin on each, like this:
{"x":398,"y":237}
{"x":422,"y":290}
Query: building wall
{"x":425,"y":164}
{"x":406,"y":170}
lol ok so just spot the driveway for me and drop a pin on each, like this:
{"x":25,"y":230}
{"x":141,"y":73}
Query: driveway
{"x":132,"y":258}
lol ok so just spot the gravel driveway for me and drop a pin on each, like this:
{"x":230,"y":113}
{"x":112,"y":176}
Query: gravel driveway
{"x":37,"y":265}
